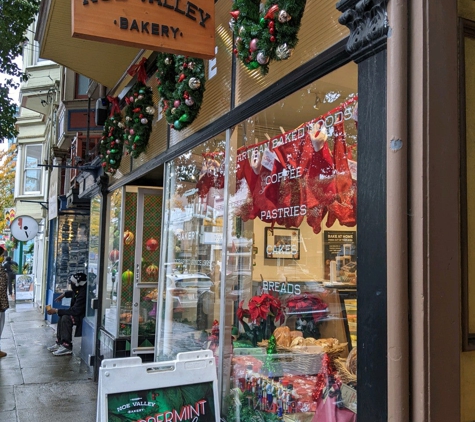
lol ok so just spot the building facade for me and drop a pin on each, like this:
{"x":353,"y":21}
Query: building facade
{"x":243,"y":225}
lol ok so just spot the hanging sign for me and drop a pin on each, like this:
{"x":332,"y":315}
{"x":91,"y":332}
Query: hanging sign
{"x":172,"y":26}
{"x":185,"y":389}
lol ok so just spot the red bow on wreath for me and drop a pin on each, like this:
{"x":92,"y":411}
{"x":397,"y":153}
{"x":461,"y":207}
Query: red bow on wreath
{"x":139,"y":70}
{"x":115,"y":105}
{"x":306,"y":304}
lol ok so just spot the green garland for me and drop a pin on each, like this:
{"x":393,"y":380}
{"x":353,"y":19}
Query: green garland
{"x":138,"y":119}
{"x":263,"y":37}
{"x":111,"y":145}
{"x":181,"y":85}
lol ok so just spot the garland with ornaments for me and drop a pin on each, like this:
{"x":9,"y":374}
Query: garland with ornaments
{"x":139,"y":112}
{"x":111,"y":145}
{"x":181,"y":84}
{"x":264,"y":34}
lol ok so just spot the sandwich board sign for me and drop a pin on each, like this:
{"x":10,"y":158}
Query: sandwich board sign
{"x":183,"y":390}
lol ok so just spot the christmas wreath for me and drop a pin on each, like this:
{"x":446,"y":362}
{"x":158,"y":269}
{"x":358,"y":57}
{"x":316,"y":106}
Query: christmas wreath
{"x":261,"y":36}
{"x":111,"y":145}
{"x":139,"y":112}
{"x":181,"y":84}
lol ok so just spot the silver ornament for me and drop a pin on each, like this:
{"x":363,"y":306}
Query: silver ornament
{"x":284,"y":17}
{"x":140,"y":97}
{"x":194,"y":83}
{"x":173,"y":110}
{"x":168,"y":61}
{"x":191,"y":65}
{"x":283,"y":52}
{"x":189,"y":102}
{"x":261,"y":58}
{"x":232,"y":23}
{"x":130,"y":137}
{"x":128,"y":118}
{"x":121,"y":125}
{"x":144,"y":121}
{"x":242,"y":31}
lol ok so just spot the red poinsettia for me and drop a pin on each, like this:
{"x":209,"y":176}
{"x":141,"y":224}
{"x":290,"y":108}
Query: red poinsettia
{"x":259,"y":307}
{"x":242,"y":313}
{"x":307,"y":304}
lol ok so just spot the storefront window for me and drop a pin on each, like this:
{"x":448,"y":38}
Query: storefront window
{"x":291,"y":268}
{"x":93,"y":257}
{"x":112,"y":263}
{"x":193,"y":235}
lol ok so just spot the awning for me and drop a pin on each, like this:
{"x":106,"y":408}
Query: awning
{"x":104,"y":63}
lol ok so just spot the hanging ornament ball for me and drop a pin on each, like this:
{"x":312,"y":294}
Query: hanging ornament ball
{"x":189,"y":102}
{"x":121,"y":125}
{"x":128,"y":118}
{"x":242,"y":31}
{"x":194,"y":83}
{"x":150,"y":110}
{"x":132,"y":131}
{"x":272,"y":39}
{"x":140,"y":97}
{"x":283,"y":52}
{"x":168,"y":61}
{"x":141,"y":91}
{"x":113,"y":151}
{"x":117,"y":141}
{"x":177,"y":125}
{"x":262,"y":22}
{"x":184,"y":118}
{"x":173,"y":110}
{"x":112,"y":161}
{"x":253,"y":44}
{"x":132,"y":99}
{"x":284,"y":17}
{"x":128,"y":238}
{"x":104,"y":164}
{"x":151,"y":244}
{"x":176,"y":103}
{"x":152,"y":271}
{"x":191,"y":65}
{"x":108,"y":151}
{"x":144,"y":121}
{"x":262,"y":59}
{"x":137,"y":139}
{"x":129,"y":138}
{"x":253,"y":65}
{"x":114,"y":255}
{"x":127,"y":277}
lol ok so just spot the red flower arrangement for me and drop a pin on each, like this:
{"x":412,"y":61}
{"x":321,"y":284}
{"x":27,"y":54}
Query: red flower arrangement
{"x":307,"y":304}
{"x":260,"y":308}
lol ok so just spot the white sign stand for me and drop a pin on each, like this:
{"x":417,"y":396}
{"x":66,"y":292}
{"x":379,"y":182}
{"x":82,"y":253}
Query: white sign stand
{"x":156,"y":391}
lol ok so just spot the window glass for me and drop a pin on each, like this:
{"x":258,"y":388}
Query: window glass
{"x":290,"y":261}
{"x":82,"y":84}
{"x":112,"y":270}
{"x":190,"y":287}
{"x":93,"y":256}
{"x":32,"y":173}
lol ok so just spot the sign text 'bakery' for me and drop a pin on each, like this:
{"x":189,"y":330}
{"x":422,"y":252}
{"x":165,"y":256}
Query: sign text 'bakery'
{"x":173,"y":26}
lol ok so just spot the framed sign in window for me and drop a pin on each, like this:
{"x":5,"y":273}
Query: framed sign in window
{"x":282,"y":243}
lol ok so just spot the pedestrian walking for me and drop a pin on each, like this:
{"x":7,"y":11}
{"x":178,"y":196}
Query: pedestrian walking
{"x":3,"y":299}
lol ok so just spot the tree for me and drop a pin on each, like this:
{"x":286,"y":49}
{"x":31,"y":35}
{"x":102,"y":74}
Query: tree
{"x":7,"y":181}
{"x":15,"y":17}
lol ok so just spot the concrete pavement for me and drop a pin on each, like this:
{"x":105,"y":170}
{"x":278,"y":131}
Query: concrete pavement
{"x":36,"y":386}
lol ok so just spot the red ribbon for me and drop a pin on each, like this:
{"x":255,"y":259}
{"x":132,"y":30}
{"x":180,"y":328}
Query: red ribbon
{"x":115,"y":104}
{"x":139,"y":70}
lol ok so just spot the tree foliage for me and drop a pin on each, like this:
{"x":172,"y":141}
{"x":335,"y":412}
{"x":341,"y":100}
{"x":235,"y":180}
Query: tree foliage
{"x":15,"y":18}
{"x":7,"y":180}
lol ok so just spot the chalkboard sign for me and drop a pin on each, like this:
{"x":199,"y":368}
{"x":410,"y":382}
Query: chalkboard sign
{"x":181,"y":390}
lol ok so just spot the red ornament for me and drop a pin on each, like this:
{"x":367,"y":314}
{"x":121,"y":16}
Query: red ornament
{"x":181,"y":78}
{"x":271,"y":31}
{"x":114,"y":255}
{"x":235,"y":14}
{"x":104,"y":164}
{"x":272,"y":39}
{"x":152,"y":244}
{"x":136,"y":94}
{"x":136,"y":110}
{"x":235,"y":51}
{"x":141,"y":115}
{"x":186,"y":95}
{"x":271,"y":12}
{"x":271,"y":24}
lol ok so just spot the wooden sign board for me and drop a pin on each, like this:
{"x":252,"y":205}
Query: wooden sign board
{"x":172,"y":26}
{"x":185,"y":389}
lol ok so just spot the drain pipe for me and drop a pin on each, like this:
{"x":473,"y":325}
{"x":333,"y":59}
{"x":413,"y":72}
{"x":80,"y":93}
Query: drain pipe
{"x":397,"y":213}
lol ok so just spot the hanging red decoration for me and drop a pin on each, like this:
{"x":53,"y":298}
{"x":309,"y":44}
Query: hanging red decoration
{"x":114,"y":255}
{"x":152,"y":244}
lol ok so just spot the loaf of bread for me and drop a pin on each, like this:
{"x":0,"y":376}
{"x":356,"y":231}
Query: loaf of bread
{"x":297,"y":341}
{"x":282,"y":336}
{"x":351,"y":361}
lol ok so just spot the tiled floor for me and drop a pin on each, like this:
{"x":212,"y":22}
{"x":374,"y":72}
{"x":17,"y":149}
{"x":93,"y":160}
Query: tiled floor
{"x":36,"y":386}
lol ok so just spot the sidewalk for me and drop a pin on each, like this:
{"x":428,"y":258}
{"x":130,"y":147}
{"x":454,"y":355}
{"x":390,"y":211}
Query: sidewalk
{"x":36,"y":386}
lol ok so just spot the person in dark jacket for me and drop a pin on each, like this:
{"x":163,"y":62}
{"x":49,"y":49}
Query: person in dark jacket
{"x":71,"y":316}
{"x":10,"y":266}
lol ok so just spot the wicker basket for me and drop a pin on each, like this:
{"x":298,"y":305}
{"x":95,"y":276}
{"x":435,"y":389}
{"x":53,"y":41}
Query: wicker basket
{"x":345,"y":375}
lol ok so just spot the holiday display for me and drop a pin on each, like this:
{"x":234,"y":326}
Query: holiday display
{"x":212,"y":173}
{"x":111,"y":144}
{"x":129,"y":238}
{"x":181,"y":85}
{"x":152,"y":244}
{"x":139,"y":112}
{"x":263,"y":36}
{"x":152,"y":271}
